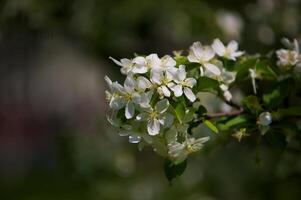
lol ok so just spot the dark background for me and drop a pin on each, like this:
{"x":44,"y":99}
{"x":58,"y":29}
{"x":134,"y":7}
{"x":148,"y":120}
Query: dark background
{"x":54,"y":140}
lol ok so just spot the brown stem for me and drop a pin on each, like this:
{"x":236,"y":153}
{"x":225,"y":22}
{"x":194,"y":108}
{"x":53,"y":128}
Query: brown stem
{"x":225,"y":114}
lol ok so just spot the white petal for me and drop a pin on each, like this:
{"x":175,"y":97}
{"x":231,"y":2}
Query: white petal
{"x":181,"y":73}
{"x":145,"y":99}
{"x":177,"y":89}
{"x":139,"y":69}
{"x":189,"y":94}
{"x":116,"y":61}
{"x":127,"y":63}
{"x":142,"y":116}
{"x":162,"y":106}
{"x":196,"y":48}
{"x":167,"y":119}
{"x":170,"y":84}
{"x":143,"y":83}
{"x":156,"y":76}
{"x":116,"y":87}
{"x":192,"y":58}
{"x":227,"y":95}
{"x":208,"y":54}
{"x":201,"y":71}
{"x":228,"y":77}
{"x":165,"y":91}
{"x":129,"y":84}
{"x":190,"y":82}
{"x":167,"y":61}
{"x":153,"y":127}
{"x":237,"y":53}
{"x":136,"y":98}
{"x":117,"y":103}
{"x":232,"y":46}
{"x":109,"y":82}
{"x":139,"y":60}
{"x":212,"y":68}
{"x":171,"y":71}
{"x":218,"y":47}
{"x":296,"y":45}
{"x":153,"y":60}
{"x":223,"y":87}
{"x":169,"y":75}
{"x":129,"y":110}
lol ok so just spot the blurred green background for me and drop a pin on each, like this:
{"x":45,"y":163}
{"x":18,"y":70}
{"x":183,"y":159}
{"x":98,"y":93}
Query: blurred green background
{"x":54,"y":140}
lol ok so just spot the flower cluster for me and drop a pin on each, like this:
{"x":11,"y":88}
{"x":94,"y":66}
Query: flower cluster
{"x":157,"y":100}
{"x":290,"y":57}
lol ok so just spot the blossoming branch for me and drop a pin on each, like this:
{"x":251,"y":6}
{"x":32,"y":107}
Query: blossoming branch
{"x":159,"y":104}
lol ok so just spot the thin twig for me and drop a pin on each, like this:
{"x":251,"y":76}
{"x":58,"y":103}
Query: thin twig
{"x":225,"y":114}
{"x":236,"y":112}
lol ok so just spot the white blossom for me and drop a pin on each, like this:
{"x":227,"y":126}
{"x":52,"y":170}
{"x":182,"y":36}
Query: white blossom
{"x":227,"y":77}
{"x":230,"y":51}
{"x":153,"y":62}
{"x":168,"y":63}
{"x":145,"y":99}
{"x":126,"y":65}
{"x":156,"y":117}
{"x":163,"y":79}
{"x":287,"y":57}
{"x":114,"y":97}
{"x":183,"y":84}
{"x":125,"y":96}
{"x":203,"y":55}
{"x":290,"y":56}
{"x":179,"y":151}
{"x":143,"y":83}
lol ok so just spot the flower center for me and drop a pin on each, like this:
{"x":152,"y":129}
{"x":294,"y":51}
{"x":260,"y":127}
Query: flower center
{"x":128,"y":96}
{"x":153,"y":115}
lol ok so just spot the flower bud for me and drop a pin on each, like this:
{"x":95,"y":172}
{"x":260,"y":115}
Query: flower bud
{"x":265,"y":118}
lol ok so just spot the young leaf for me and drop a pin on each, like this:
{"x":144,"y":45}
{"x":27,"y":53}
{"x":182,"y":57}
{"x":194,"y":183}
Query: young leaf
{"x":207,"y":84}
{"x":211,"y":126}
{"x":238,"y":121}
{"x":252,"y":103}
{"x":172,"y":171}
{"x":179,"y":110}
{"x":277,"y":93}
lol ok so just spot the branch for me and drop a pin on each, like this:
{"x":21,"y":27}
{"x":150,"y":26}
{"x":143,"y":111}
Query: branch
{"x":225,"y":114}
{"x":236,"y":112}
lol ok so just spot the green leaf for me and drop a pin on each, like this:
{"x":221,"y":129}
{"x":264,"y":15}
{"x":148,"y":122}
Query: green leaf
{"x":172,"y":171}
{"x":228,"y":64}
{"x":179,"y":110}
{"x":189,"y":114}
{"x":284,"y":112}
{"x":211,"y":126}
{"x":252,"y":104}
{"x":242,"y":67}
{"x":206,"y":84}
{"x":264,"y":70}
{"x":276,"y":94}
{"x":235,"y":122}
{"x":182,"y":60}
